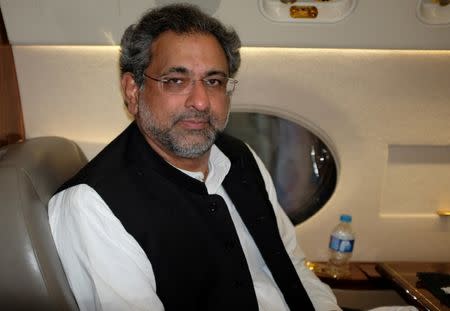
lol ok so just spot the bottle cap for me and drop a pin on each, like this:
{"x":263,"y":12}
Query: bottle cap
{"x":346,"y":218}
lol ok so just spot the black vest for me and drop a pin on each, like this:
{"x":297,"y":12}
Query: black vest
{"x":187,"y":234}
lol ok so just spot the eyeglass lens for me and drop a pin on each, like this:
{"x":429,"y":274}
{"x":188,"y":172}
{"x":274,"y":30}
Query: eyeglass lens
{"x":214,"y":85}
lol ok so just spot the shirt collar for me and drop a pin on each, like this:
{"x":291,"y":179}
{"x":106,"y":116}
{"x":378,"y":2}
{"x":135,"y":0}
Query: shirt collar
{"x":218,"y":168}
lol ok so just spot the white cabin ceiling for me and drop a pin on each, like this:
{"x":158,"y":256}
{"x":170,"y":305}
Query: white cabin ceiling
{"x":380,"y":24}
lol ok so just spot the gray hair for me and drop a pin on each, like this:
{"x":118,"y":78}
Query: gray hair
{"x":135,"y":54}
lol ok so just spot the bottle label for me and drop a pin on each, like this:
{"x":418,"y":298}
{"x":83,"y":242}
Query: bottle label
{"x":343,"y":246}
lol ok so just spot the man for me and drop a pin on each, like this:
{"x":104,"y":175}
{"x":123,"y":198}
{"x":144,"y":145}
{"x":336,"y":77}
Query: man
{"x":174,"y":214}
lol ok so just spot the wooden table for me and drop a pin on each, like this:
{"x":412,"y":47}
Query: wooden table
{"x":362,"y":276}
{"x":403,"y":277}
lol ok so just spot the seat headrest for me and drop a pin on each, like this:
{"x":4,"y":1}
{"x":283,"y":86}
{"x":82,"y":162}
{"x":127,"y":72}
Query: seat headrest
{"x":46,"y":161}
{"x":31,"y":274}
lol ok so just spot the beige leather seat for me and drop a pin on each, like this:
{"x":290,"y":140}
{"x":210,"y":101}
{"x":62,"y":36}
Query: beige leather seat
{"x":31,"y":275}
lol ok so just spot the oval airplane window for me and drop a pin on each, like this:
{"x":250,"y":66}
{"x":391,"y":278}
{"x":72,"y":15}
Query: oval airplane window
{"x":301,"y":165}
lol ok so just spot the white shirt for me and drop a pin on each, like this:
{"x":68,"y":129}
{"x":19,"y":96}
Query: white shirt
{"x":108,"y":270}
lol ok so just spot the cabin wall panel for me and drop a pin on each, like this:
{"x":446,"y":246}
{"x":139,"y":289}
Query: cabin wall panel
{"x":359,"y":102}
{"x":409,"y":169}
{"x":71,"y":92}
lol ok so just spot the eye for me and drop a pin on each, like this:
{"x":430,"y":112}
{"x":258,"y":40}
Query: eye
{"x":214,"y":82}
{"x":175,"y":81}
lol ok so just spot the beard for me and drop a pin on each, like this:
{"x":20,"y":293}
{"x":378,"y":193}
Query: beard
{"x":185,"y":143}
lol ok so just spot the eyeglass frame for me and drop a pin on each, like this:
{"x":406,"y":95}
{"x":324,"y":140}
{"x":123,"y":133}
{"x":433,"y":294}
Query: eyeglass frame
{"x":161,"y":82}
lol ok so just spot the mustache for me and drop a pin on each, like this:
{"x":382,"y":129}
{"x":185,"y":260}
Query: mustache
{"x":203,"y":116}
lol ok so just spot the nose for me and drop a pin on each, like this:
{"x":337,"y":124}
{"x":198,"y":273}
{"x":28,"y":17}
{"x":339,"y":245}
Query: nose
{"x":198,"y":97}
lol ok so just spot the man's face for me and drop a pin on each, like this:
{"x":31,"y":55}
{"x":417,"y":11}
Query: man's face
{"x":184,"y":125}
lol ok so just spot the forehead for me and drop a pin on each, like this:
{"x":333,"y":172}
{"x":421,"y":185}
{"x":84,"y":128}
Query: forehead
{"x":197,"y":52}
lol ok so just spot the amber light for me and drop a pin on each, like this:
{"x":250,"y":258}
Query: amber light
{"x":297,"y":11}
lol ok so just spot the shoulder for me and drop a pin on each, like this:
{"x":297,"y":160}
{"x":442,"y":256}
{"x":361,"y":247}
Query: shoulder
{"x":79,"y":214}
{"x":108,"y":163}
{"x":79,"y":201}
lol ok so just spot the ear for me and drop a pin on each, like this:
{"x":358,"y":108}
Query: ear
{"x":130,"y":92}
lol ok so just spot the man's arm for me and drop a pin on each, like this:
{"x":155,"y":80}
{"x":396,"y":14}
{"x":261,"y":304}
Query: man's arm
{"x":105,"y":266}
{"x":320,"y":294}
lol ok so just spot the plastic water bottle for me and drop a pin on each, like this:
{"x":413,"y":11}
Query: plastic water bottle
{"x":342,"y":240}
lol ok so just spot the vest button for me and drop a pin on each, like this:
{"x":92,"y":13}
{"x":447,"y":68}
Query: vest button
{"x":238,"y":283}
{"x":213,"y":207}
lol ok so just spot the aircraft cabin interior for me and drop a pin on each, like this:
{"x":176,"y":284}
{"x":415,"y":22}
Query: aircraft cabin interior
{"x":347,"y":102}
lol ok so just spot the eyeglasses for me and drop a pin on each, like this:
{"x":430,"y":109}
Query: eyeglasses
{"x":182,"y":85}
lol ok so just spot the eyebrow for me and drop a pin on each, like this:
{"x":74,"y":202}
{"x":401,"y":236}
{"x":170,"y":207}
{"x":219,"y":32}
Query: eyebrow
{"x":177,"y":69}
{"x":215,"y":72}
{"x":184,"y":70}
